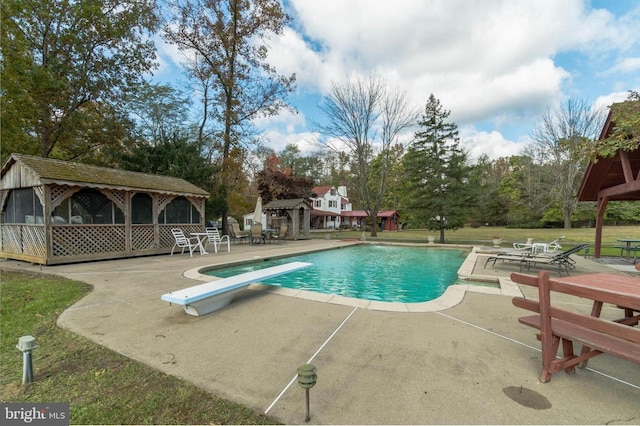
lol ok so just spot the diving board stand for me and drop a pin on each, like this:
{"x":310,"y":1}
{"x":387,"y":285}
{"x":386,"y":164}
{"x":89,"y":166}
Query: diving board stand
{"x":209,"y":297}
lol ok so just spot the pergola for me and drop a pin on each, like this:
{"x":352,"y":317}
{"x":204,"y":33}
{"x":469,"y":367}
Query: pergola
{"x":60,"y":212}
{"x":615,"y":178}
{"x":294,"y":212}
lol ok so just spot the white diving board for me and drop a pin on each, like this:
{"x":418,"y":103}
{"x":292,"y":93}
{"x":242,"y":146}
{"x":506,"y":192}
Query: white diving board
{"x":208,"y":297}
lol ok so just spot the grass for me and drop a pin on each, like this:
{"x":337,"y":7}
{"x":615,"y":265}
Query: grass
{"x":101,"y":386}
{"x":483,"y":235}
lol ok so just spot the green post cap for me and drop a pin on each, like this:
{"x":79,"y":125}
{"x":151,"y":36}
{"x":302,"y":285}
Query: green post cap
{"x":307,"y":376}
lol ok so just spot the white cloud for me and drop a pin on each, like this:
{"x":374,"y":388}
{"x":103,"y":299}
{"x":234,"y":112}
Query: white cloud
{"x":625,"y":65}
{"x":482,"y":59}
{"x":499,"y":62}
{"x":307,"y":142}
{"x":605,"y":101}
{"x":493,"y":144}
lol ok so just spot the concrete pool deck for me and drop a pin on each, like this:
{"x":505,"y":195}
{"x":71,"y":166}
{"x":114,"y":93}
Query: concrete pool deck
{"x":470,"y":362}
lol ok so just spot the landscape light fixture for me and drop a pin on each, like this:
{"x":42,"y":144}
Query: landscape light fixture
{"x":26,"y":344}
{"x":307,"y":379}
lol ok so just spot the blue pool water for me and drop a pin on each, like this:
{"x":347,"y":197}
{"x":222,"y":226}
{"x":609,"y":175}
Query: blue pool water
{"x":383,"y":273}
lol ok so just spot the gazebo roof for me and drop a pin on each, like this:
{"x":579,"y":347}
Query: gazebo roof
{"x":68,"y":173}
{"x":287,"y":204}
{"x":616,"y":177}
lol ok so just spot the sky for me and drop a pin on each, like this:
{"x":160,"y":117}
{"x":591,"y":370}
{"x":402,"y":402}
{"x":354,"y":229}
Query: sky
{"x":496,"y":65}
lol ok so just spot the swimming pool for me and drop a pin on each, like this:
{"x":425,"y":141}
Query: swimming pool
{"x":371,"y":272}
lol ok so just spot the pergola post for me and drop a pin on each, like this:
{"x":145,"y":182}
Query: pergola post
{"x":602,"y":206}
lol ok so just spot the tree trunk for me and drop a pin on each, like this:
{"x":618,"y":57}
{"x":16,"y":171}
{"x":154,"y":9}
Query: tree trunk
{"x":373,"y":217}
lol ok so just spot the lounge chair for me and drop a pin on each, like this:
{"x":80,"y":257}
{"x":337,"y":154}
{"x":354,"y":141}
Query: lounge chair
{"x":550,"y":247}
{"x":235,"y":233}
{"x":255,"y":235}
{"x":524,"y":246}
{"x":183,"y":242}
{"x":563,"y":260}
{"x":213,"y":237}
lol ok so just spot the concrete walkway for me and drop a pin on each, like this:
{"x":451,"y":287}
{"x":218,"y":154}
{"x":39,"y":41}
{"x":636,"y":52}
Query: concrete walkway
{"x":470,"y":363}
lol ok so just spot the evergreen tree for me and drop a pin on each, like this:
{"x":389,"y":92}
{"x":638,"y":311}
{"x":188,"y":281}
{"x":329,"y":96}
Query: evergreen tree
{"x":437,"y":172}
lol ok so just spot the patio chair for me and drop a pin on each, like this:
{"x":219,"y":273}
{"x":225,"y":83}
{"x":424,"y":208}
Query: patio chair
{"x":183,"y":242}
{"x":550,"y":247}
{"x":213,"y":237}
{"x":525,"y":256}
{"x":554,"y":245}
{"x":524,"y":246}
{"x":236,"y":236}
{"x":282,"y":233}
{"x":563,"y":260}
{"x":255,"y":235}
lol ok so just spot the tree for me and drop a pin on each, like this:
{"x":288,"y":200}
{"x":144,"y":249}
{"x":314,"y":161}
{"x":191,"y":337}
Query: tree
{"x":228,"y":40}
{"x":561,"y":139}
{"x":279,"y":185}
{"x":626,"y":130}
{"x":62,"y":61}
{"x":437,"y":173}
{"x":486,"y":200}
{"x":158,"y":111}
{"x":359,"y":111}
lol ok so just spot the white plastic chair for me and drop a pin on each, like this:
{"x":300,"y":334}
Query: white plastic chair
{"x":213,"y":237}
{"x":184,"y":242}
{"x":524,"y":246}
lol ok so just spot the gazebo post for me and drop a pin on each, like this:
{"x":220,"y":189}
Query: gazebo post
{"x":602,"y":206}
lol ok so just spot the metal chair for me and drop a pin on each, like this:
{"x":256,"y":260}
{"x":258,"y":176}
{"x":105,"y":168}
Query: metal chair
{"x":255,"y":234}
{"x":213,"y":237}
{"x":282,"y":233}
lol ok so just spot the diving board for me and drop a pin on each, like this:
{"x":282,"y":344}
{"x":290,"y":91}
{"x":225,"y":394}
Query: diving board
{"x":208,"y":297}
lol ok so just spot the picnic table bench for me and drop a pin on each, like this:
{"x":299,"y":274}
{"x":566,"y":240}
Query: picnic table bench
{"x":596,"y":335}
{"x":208,"y":297}
{"x":629,"y":249}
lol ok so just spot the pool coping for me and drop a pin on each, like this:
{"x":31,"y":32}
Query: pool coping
{"x":453,"y":295}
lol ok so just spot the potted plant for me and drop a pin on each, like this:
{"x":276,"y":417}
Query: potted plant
{"x":496,"y":241}
{"x":431,"y":239}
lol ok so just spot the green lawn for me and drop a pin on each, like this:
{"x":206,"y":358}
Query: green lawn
{"x":101,"y":386}
{"x":483,"y":235}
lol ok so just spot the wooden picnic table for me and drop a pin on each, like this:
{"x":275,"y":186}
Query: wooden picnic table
{"x":617,"y":289}
{"x":619,"y":337}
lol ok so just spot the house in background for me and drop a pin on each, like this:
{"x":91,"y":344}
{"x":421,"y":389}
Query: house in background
{"x":388,"y":220}
{"x":329,"y":204}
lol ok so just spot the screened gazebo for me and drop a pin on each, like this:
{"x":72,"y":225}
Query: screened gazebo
{"x":61,"y":212}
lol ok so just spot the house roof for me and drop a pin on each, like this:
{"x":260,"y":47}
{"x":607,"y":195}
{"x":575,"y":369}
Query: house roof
{"x":616,"y":177}
{"x":362,"y":213}
{"x":318,"y":212}
{"x":68,"y":173}
{"x":321,"y":190}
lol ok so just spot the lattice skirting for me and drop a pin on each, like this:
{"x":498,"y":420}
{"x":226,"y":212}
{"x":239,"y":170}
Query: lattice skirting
{"x":79,"y":240}
{"x":24,"y":239}
{"x":143,"y":237}
{"x":83,"y":242}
